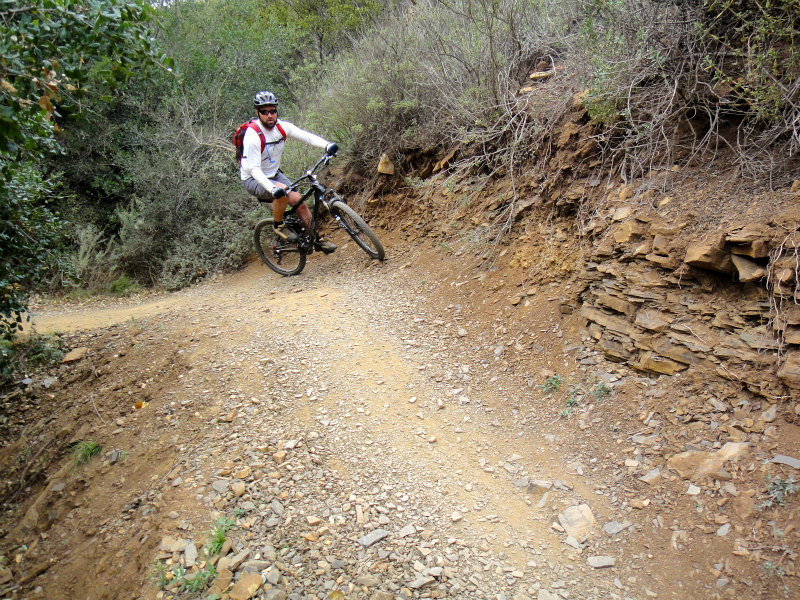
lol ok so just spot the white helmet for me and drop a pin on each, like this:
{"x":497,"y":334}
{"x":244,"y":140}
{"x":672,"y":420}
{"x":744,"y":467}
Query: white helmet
{"x":264,"y":98}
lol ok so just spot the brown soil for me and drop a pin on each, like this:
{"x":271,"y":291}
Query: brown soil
{"x":81,"y":532}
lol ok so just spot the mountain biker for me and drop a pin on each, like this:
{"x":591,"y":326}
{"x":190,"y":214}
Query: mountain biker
{"x":260,"y":170}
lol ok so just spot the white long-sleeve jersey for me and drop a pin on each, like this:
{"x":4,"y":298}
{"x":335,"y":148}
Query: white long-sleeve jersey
{"x":262,"y":166}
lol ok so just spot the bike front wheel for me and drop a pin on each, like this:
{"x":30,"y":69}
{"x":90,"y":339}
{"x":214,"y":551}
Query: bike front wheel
{"x":282,"y":257}
{"x":355,"y":226}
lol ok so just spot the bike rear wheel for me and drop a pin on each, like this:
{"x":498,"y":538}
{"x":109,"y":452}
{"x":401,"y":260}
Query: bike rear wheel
{"x":282,"y":257}
{"x":355,"y":226}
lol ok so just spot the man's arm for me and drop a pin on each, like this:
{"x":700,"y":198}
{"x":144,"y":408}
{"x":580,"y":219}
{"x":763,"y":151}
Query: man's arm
{"x":301,"y":135}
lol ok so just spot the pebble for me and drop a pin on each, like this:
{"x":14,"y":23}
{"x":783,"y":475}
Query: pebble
{"x":601,"y":562}
{"x":613,"y":528}
{"x":373,"y":537}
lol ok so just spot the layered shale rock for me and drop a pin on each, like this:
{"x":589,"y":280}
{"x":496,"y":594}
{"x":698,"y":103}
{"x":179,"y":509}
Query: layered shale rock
{"x":666,"y":297}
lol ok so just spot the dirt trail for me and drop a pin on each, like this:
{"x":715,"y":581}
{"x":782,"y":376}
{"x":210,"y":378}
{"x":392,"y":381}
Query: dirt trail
{"x":408,"y":397}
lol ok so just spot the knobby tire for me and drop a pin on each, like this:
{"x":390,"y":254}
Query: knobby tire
{"x":289,"y":262}
{"x":359,"y":230}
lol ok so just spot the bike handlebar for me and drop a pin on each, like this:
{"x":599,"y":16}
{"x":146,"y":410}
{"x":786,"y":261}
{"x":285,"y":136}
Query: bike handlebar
{"x":309,"y":174}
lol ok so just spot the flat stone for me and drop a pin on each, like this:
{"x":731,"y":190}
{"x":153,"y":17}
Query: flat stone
{"x":255,"y":566}
{"x":782,"y":459}
{"x":222,"y":582}
{"x":653,"y":363}
{"x":236,"y":561}
{"x":577,"y":521}
{"x":652,"y":320}
{"x":615,"y":303}
{"x":406,"y":531}
{"x":697,"y":464}
{"x":273,"y":575}
{"x":74,"y":355}
{"x":190,"y":554}
{"x":373,"y":537}
{"x":246,"y":587}
{"x":613,"y":527}
{"x":242,"y":473}
{"x":748,"y":270}
{"x":789,"y":373}
{"x":368,"y":581}
{"x":539,"y":485}
{"x":238,"y":488}
{"x":710,"y":254}
{"x":652,"y":477}
{"x":220,"y":485}
{"x":743,"y":506}
{"x":421,"y":582}
{"x":601,"y":562}
{"x":170,"y":544}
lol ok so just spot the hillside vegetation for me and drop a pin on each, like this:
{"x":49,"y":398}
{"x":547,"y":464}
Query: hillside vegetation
{"x":115,"y":140}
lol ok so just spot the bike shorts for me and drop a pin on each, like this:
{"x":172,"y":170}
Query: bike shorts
{"x":257,"y":190}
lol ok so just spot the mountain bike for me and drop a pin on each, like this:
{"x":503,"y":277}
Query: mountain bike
{"x":289,"y":258}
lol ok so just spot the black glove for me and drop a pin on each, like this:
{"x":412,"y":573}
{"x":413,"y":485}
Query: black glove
{"x":331,"y":149}
{"x":278,"y":192}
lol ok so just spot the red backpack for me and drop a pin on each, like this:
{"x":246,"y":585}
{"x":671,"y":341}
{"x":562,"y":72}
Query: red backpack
{"x":238,"y":137}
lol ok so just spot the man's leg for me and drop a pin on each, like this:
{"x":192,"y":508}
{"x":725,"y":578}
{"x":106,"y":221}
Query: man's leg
{"x":278,"y":206}
{"x":305,"y":216}
{"x":301,"y":208}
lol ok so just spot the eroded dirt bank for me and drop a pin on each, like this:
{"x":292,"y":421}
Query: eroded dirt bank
{"x":419,"y":428}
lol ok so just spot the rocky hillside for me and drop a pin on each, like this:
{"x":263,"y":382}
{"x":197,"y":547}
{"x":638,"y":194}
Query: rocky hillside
{"x":688,"y":270}
{"x":559,"y":385}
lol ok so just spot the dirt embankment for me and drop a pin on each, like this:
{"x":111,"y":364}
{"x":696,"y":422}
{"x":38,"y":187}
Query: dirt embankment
{"x":581,"y":413}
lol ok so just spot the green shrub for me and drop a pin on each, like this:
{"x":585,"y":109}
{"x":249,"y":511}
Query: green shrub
{"x":433,"y":73}
{"x":31,"y":242}
{"x":85,"y":450}
{"x":44,"y":350}
{"x":124,"y":286}
{"x":667,"y":81}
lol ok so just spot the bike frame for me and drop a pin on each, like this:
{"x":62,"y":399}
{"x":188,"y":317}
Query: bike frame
{"x":321,"y":194}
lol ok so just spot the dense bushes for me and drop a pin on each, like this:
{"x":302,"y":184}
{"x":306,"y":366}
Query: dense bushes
{"x":671,"y":81}
{"x":665,"y":81}
{"x":437,"y":72}
{"x":53,"y":55}
{"x":159,"y":197}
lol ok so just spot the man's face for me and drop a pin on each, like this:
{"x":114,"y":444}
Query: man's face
{"x":268,"y":115}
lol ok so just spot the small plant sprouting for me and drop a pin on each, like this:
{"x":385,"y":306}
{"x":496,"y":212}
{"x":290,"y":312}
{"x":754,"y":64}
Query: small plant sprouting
{"x":84,"y":451}
{"x":572,"y":400}
{"x":416,"y":183}
{"x":218,"y":533}
{"x":552,"y":383}
{"x":160,"y":572}
{"x":601,"y":391}
{"x":178,"y":577}
{"x":777,"y":491}
{"x":199,"y":581}
{"x":566,"y":413}
{"x":445,"y":247}
{"x":773,"y":569}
